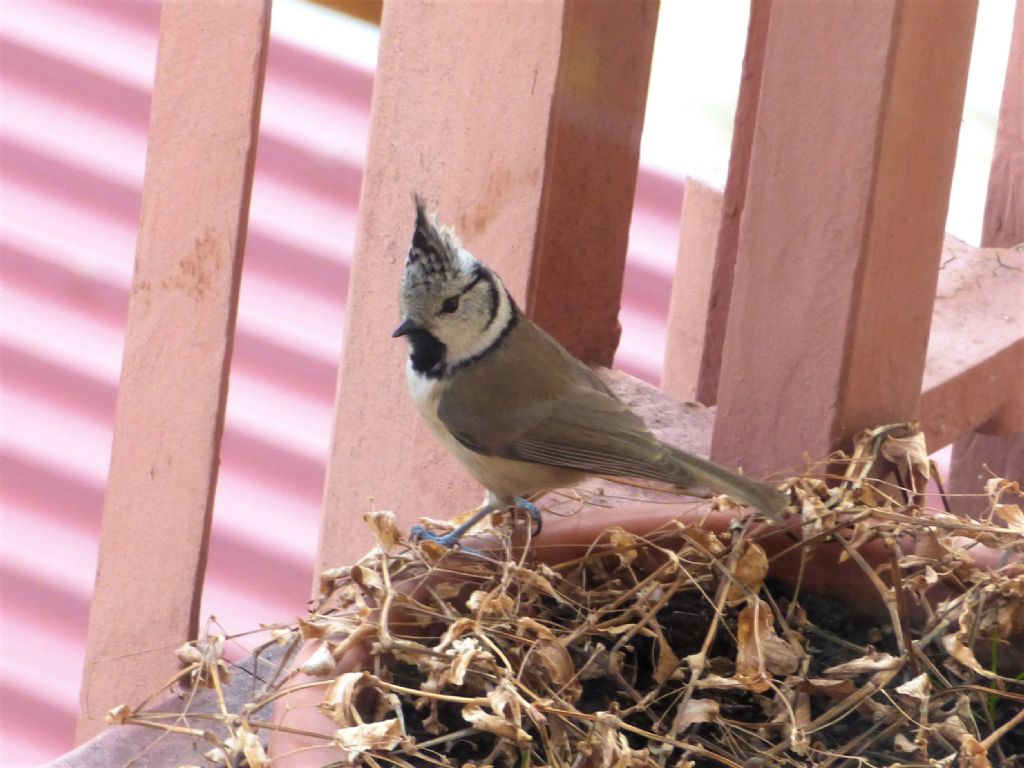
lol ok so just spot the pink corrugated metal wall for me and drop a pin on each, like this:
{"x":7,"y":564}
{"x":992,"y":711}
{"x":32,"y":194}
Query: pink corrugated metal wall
{"x":75,"y":101}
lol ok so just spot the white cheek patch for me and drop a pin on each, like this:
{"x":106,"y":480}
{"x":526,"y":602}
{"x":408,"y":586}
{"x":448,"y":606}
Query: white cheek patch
{"x":474,"y":342}
{"x":465,"y":260}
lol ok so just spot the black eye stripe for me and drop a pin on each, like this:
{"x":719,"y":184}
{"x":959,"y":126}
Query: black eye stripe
{"x":471,"y":284}
{"x":495,"y":300}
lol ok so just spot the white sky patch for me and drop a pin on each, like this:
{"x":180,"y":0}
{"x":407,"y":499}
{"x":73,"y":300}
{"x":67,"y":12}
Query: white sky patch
{"x":327,"y":32}
{"x":981,"y":117}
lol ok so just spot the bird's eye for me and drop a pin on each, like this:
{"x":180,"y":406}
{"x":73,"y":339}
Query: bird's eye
{"x":450,"y":305}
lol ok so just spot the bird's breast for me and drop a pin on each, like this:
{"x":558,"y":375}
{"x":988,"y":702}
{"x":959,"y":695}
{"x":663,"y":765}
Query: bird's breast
{"x":426,"y":393}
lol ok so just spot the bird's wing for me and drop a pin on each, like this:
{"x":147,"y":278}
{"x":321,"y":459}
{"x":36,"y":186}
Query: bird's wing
{"x":583,"y":429}
{"x":591,"y":431}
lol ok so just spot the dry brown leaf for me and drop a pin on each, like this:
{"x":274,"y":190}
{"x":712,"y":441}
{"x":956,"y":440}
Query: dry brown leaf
{"x":321,"y":662}
{"x":1012,"y":516}
{"x":606,"y":747}
{"x":955,"y":648}
{"x":385,"y":528}
{"x":363,"y":634}
{"x":696,"y":662}
{"x":283,"y":635}
{"x":532,"y":579}
{"x":903,"y":744}
{"x":695,"y":711}
{"x":204,"y":656}
{"x":356,"y":740}
{"x":718,"y":681}
{"x":799,"y":742}
{"x":248,"y":743}
{"x":754,"y":623}
{"x":953,"y":729}
{"x":325,"y":626}
{"x":505,"y":700}
{"x":870,"y":662}
{"x":944,"y":554}
{"x":495,"y":602}
{"x":625,"y":545}
{"x":464,"y":650}
{"x":432,"y":552}
{"x":1010,"y":581}
{"x":868,"y":496}
{"x":118,"y":714}
{"x":368,"y":580}
{"x":330,"y":577}
{"x":1010,"y":619}
{"x":759,"y":650}
{"x":448,"y":589}
{"x":313,"y":630}
{"x":622,"y":629}
{"x":188,"y":653}
{"x":704,"y":541}
{"x":668,"y":665}
{"x":342,"y":699}
{"x":506,"y":716}
{"x":241,"y":743}
{"x":908,"y":451}
{"x":556,"y":662}
{"x":919,"y":687}
{"x":527,"y":626}
{"x":996,"y":487}
{"x":217,"y":756}
{"x":750,"y":571}
{"x":461,"y":627}
{"x":478,"y":717}
{"x":973,"y":754}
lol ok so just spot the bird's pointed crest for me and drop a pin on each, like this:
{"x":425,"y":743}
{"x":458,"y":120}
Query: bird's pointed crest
{"x":435,"y":254}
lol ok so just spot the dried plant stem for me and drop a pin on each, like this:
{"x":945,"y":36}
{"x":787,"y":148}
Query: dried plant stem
{"x":886,"y":592}
{"x":880,"y":680}
{"x":504,"y":659}
{"x":1002,"y":730}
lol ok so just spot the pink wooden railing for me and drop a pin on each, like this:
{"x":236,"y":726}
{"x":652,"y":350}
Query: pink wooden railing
{"x":804,"y":314}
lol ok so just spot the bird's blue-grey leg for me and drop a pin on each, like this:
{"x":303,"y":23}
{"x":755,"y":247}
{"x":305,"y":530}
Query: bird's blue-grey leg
{"x":534,"y":512}
{"x":451,"y":538}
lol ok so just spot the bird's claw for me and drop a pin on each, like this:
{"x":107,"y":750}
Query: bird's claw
{"x":446,"y":540}
{"x":534,"y":511}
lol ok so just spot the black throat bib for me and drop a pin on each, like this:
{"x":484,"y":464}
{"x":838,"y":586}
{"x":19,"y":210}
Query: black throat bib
{"x":427,"y":354}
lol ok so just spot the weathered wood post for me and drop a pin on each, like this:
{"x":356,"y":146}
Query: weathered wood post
{"x":841,"y":232}
{"x":181,"y":320}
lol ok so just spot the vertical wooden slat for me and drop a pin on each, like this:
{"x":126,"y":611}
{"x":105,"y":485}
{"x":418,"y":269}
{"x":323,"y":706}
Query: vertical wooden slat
{"x":688,"y":313}
{"x":734,"y":200}
{"x":976,"y":454}
{"x":841,"y":236}
{"x":181,"y":317}
{"x":520,"y":122}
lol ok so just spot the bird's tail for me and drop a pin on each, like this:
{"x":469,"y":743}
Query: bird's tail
{"x":767,"y":498}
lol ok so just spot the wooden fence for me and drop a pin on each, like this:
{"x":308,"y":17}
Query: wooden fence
{"x":804,"y":304}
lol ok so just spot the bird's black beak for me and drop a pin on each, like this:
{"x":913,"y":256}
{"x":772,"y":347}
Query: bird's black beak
{"x":406,"y":327}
